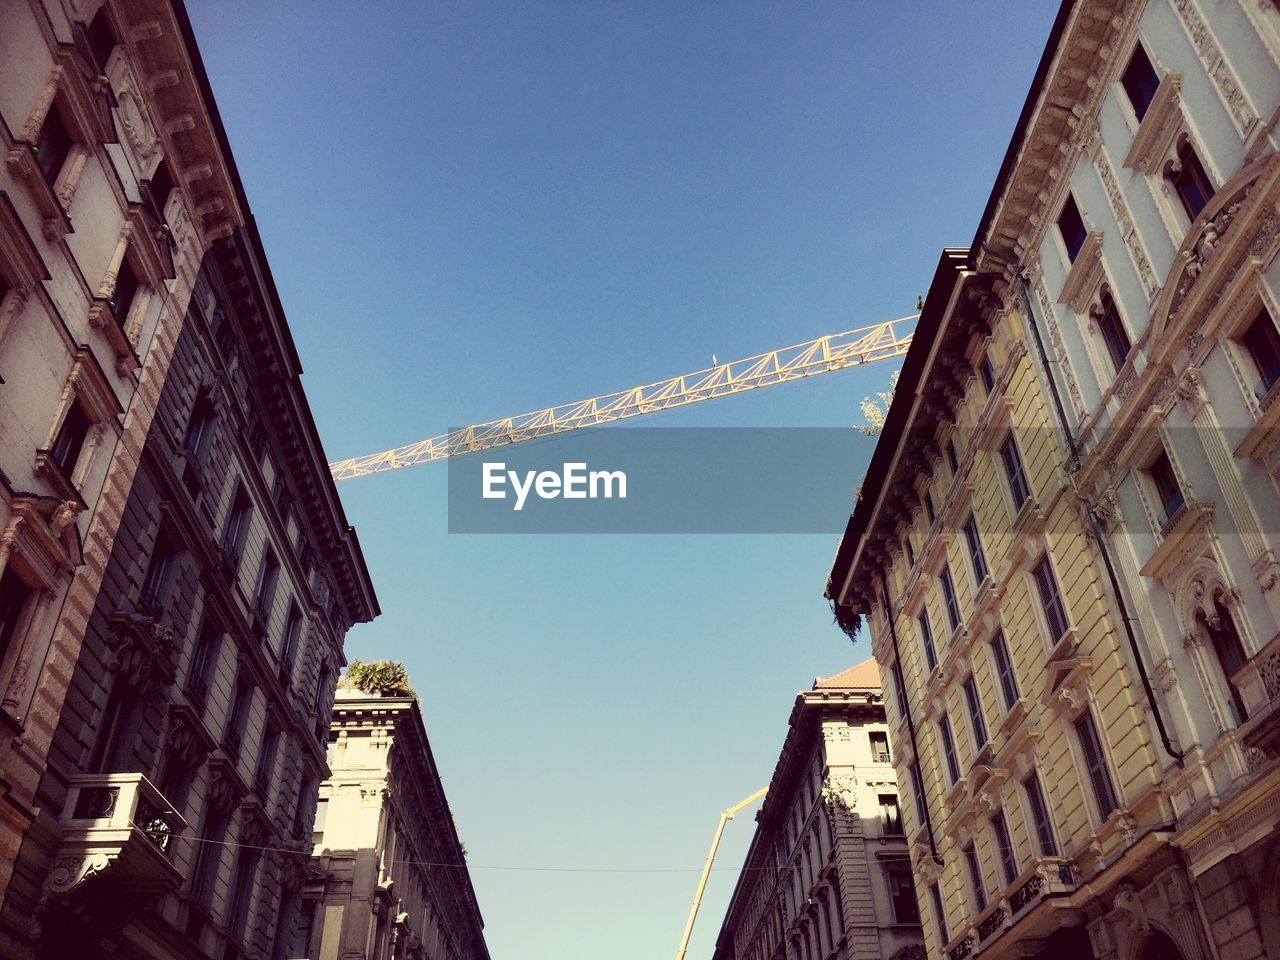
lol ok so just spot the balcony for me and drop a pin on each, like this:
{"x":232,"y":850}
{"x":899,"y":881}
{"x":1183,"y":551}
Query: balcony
{"x":118,"y":824}
{"x":1044,"y":878}
{"x":1259,"y":684}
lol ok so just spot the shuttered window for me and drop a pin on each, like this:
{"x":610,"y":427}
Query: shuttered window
{"x":1040,"y":816}
{"x":976,"y":555}
{"x":975,"y":879}
{"x":899,"y":688}
{"x":1055,"y":616}
{"x":1004,"y":668}
{"x":948,"y":748}
{"x":917,"y":788}
{"x":1095,"y":762}
{"x":1004,"y":846}
{"x":976,"y":721}
{"x":949,"y":597}
{"x":926,"y":638}
{"x":1014,"y":473}
{"x":939,"y":913}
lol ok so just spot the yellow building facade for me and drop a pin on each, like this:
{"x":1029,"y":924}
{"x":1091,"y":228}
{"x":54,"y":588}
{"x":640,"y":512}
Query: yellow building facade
{"x":1065,"y":546}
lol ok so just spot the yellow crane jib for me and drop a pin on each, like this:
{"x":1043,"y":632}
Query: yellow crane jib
{"x":706,"y":870}
{"x":827,"y":354}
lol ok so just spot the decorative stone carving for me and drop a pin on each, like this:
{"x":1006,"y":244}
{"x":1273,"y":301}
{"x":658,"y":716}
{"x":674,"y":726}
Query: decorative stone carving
{"x":1242,"y":113}
{"x":143,"y":653}
{"x":1127,"y":902}
{"x":840,"y":792}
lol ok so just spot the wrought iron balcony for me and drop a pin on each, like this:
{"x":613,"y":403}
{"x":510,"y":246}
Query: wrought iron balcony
{"x":119,"y":824}
{"x":1043,"y":877}
{"x":1258,"y":682}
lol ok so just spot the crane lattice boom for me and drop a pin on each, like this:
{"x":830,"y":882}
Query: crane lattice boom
{"x":823,"y":355}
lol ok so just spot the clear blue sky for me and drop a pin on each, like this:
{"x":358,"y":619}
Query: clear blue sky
{"x":474,"y":209}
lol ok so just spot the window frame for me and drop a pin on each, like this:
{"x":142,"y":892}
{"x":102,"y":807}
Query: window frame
{"x":977,"y":719}
{"x":951,"y":760}
{"x":1015,"y":472}
{"x":1049,"y":604}
{"x":1097,"y":768}
{"x":977,"y":555}
{"x":1039,"y":816}
{"x":1010,"y":691}
{"x":1072,"y":245}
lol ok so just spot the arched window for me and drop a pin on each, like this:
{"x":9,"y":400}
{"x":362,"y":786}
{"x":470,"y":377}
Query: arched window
{"x":1225,"y":639}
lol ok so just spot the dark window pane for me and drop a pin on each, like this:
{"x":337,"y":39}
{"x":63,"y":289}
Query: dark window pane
{"x":917,"y":788}
{"x":13,"y":600}
{"x":102,"y":39}
{"x":903,"y":893}
{"x":988,"y":374}
{"x":70,"y":439}
{"x":939,"y":913}
{"x":1071,"y":226}
{"x":53,"y":145}
{"x":976,"y":554}
{"x":899,"y":689}
{"x":890,"y":815}
{"x":121,"y":298}
{"x":949,"y":596}
{"x":1166,"y":484}
{"x":1140,"y":81}
{"x":1262,"y":341}
{"x":1012,"y":460}
{"x":1230,"y":653}
{"x":1190,"y":181}
{"x":948,"y":748}
{"x":1113,"y":332}
{"x":928,"y":507}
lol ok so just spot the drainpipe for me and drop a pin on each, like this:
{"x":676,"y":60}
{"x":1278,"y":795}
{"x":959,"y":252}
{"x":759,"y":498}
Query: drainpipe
{"x":1103,"y":549}
{"x":911,"y":726}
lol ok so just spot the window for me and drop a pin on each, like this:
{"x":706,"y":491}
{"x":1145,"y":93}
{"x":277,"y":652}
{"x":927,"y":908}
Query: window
{"x":237,"y":524}
{"x":203,"y":659}
{"x":1189,"y":181}
{"x":125,"y":289}
{"x":322,"y":815}
{"x":879,"y":746}
{"x":289,"y":642}
{"x":988,"y":375}
{"x":917,"y":788}
{"x":200,"y":426}
{"x":322,"y":689}
{"x":976,"y":721}
{"x":113,"y":748}
{"x":926,"y":638}
{"x":1040,"y":816}
{"x":1095,"y":762}
{"x":1071,"y":227}
{"x":976,"y":555}
{"x":975,"y":879}
{"x":1230,"y":653}
{"x":949,"y":597}
{"x":208,"y":854}
{"x":928,"y":507}
{"x":265,"y":593}
{"x":306,"y":790}
{"x":902,"y":892}
{"x":1004,"y":847}
{"x":1004,"y":669}
{"x":899,"y":688}
{"x":952,"y":459}
{"x":1165,"y":482}
{"x":1114,"y":335}
{"x":911,"y":551}
{"x":233,"y":736}
{"x":159,"y":187}
{"x":70,"y":439}
{"x":295,"y":940}
{"x":939,"y":914}
{"x":242,"y":888}
{"x":266,"y":761}
{"x":14,"y":594}
{"x":1019,"y":489}
{"x":102,"y":39}
{"x":1140,"y":82}
{"x":1262,"y":341}
{"x":1055,"y":617}
{"x":890,"y":815}
{"x":53,"y":146}
{"x":948,"y":748}
{"x":153,"y":583}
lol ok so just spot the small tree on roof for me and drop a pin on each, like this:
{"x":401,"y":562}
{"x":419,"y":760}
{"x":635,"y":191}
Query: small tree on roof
{"x":378,"y":678}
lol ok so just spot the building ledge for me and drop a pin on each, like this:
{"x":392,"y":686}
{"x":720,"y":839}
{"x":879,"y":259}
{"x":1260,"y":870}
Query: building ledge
{"x":1155,"y":135}
{"x":1181,"y":534}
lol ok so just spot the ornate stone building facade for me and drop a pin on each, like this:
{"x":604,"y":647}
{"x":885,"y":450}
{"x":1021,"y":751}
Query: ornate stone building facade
{"x":827,"y":875}
{"x":112,"y":188}
{"x":1066,"y":544}
{"x":175,"y":811}
{"x":388,"y":879}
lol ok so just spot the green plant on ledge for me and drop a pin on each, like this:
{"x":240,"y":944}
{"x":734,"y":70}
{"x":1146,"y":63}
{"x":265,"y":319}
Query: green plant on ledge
{"x":378,"y":678}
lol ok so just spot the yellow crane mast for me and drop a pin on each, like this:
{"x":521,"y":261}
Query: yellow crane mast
{"x":827,"y":354}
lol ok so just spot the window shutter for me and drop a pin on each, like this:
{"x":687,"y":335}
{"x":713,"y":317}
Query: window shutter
{"x":1096,"y":764}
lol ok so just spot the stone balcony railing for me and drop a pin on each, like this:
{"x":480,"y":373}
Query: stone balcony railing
{"x":120,"y":824}
{"x":1259,"y":684}
{"x":1044,"y":877}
